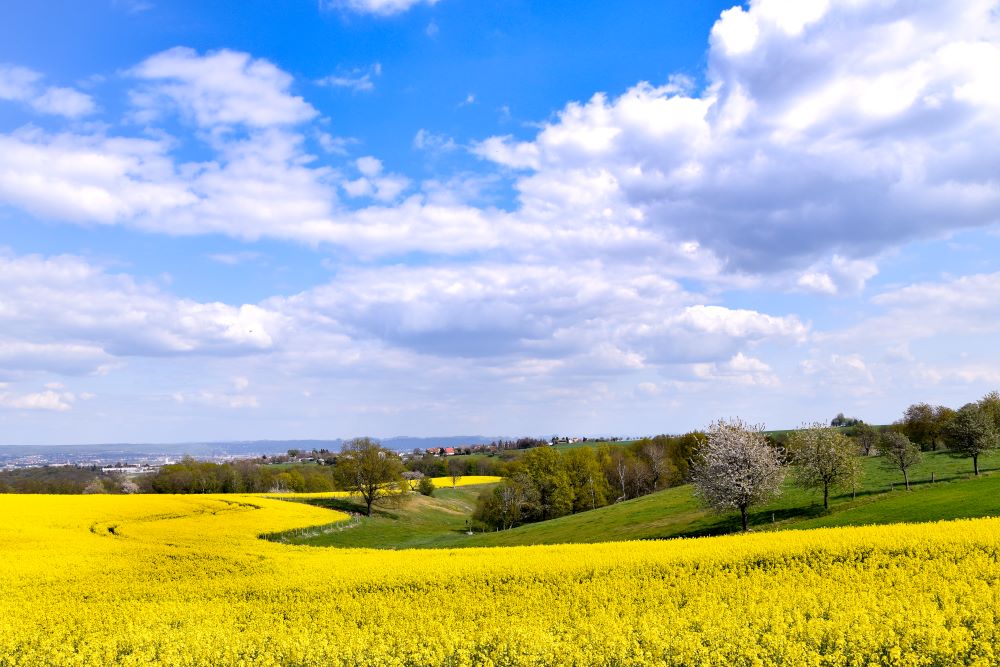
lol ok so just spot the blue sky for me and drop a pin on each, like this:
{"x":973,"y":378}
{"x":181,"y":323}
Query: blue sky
{"x":262,"y":220}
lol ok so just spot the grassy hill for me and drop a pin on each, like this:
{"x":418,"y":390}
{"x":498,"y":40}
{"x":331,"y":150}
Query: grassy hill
{"x":441,"y":521}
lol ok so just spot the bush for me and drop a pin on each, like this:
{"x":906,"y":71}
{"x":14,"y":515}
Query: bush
{"x":426,"y":486}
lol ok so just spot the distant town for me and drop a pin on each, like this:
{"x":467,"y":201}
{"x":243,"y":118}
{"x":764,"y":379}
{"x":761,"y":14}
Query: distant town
{"x":139,"y":459}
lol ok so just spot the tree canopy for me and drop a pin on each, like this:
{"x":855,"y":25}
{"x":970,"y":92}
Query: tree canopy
{"x":738,"y":468}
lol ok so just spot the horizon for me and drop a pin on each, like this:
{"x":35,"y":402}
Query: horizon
{"x":427,"y":216}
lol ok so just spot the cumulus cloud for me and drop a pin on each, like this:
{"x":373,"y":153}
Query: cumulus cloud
{"x":604,"y":319}
{"x":65,"y":315}
{"x":837,"y":275}
{"x":219,"y":88}
{"x":739,"y":370}
{"x":826,"y":128}
{"x":49,"y":400}
{"x":24,"y":85}
{"x":373,"y":182}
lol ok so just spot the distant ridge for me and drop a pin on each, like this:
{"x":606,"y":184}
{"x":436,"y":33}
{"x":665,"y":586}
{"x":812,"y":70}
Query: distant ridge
{"x":128,"y":452}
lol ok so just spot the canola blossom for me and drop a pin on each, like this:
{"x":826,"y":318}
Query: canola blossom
{"x":184,"y":580}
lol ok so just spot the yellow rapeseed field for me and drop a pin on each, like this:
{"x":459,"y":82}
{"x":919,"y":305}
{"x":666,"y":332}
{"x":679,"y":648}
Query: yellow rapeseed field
{"x":184,"y":580}
{"x":439,"y":483}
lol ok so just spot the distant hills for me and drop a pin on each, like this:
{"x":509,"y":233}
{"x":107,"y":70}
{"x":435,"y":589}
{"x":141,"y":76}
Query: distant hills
{"x":144,"y":452}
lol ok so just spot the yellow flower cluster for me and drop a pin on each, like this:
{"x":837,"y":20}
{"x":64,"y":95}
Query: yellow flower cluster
{"x":183,"y":580}
{"x":468,"y":480}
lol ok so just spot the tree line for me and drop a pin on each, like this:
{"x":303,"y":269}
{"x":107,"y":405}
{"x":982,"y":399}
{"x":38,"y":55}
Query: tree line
{"x":546,"y":483}
{"x":739,"y":466}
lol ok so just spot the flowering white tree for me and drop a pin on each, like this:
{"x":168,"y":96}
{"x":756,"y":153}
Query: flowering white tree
{"x":738,"y":468}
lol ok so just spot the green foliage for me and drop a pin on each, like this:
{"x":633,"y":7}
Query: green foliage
{"x":366,"y":468}
{"x":823,"y":458}
{"x":972,"y":432}
{"x":547,"y":472}
{"x":840,"y":421}
{"x":55,"y":479}
{"x":191,"y":476}
{"x":924,"y":424}
{"x":990,"y":405}
{"x":587,"y":479}
{"x":899,"y":453}
{"x":865,"y":437}
{"x":426,"y":486}
{"x":674,"y":512}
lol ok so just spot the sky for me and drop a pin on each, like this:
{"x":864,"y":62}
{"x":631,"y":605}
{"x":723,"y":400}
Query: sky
{"x":253,"y":220}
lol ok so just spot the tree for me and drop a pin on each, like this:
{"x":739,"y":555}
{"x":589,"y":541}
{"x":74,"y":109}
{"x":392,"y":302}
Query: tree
{"x":823,"y":458}
{"x":95,"y":486}
{"x":738,"y":468}
{"x":590,"y":486}
{"x":841,"y":420}
{"x":366,"y":468}
{"x":683,"y":453}
{"x":899,"y":453}
{"x":507,"y":503}
{"x":426,"y":486}
{"x":990,"y":405}
{"x":919,"y":424}
{"x":867,"y":438}
{"x":971,"y":433}
{"x":544,"y":467}
{"x":455,"y":470}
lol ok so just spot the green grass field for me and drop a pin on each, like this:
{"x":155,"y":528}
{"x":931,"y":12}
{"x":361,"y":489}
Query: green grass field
{"x":441,"y":521}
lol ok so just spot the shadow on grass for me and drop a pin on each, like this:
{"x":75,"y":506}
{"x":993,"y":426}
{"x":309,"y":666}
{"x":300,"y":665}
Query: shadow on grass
{"x":728,"y":524}
{"x":345,"y":505}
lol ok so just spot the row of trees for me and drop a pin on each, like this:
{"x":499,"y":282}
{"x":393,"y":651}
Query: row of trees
{"x":934,"y":427}
{"x":192,"y":476}
{"x":63,"y":479}
{"x":740,"y":467}
{"x":546,"y":483}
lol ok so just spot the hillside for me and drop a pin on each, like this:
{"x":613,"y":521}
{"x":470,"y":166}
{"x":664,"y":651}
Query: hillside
{"x":441,"y":521}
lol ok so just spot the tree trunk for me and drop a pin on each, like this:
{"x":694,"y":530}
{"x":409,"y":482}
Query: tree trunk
{"x":906,"y":479}
{"x":826,"y":496}
{"x":743,"y":518}
{"x":368,"y":505}
{"x":975,"y":463}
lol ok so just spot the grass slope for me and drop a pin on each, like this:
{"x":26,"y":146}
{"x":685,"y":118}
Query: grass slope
{"x":418,"y":522}
{"x":440,"y":521}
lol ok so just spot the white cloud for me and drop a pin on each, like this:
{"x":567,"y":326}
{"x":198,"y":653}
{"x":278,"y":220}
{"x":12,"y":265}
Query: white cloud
{"x":739,"y":370}
{"x":48,"y":400}
{"x":89,"y":178}
{"x":335,"y":145}
{"x":64,"y":102}
{"x":373,"y":183}
{"x":375,"y":7}
{"x":837,"y":275}
{"x":425,"y":140}
{"x":360,"y":81}
{"x":235,"y":258}
{"x":220,"y":88}
{"x":23,"y":85}
{"x":827,"y":128}
{"x":846,"y":370}
{"x":65,"y":315}
{"x":505,"y":151}
{"x":17,"y":83}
